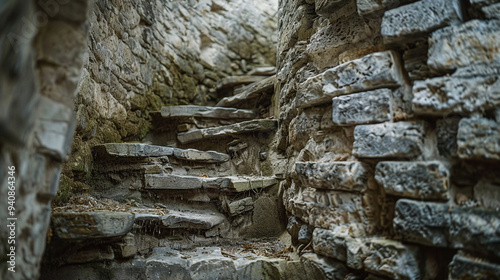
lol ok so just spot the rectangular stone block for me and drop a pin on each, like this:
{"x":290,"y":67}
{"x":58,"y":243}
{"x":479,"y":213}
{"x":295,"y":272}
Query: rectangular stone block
{"x":330,"y":243}
{"x":420,"y":180}
{"x":472,"y":89}
{"x":473,"y":42}
{"x":341,"y":175}
{"x":478,"y":138}
{"x":374,"y":71}
{"x":240,"y":206}
{"x":415,"y":20}
{"x":180,"y":182}
{"x":363,"y":108}
{"x":397,"y":140}
{"x":206,"y":112}
{"x":445,"y":225}
{"x":462,"y":267}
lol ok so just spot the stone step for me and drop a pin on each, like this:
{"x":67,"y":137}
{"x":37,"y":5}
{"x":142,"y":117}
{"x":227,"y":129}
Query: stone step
{"x":221,"y":131}
{"x":90,"y":225}
{"x":187,"y":219}
{"x":180,"y":182}
{"x":137,"y":150}
{"x":250,"y":92}
{"x":206,"y":112}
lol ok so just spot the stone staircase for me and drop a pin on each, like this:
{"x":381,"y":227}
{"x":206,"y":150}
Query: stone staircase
{"x":168,"y":199}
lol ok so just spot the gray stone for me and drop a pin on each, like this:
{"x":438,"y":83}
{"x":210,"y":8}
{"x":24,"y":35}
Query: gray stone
{"x":186,"y":219}
{"x":330,"y":244}
{"x":240,"y":206}
{"x":92,"y":254}
{"x":250,"y":92}
{"x":492,"y":11}
{"x":363,"y":108}
{"x":182,"y":182}
{"x":462,"y":267}
{"x":319,"y":267}
{"x":144,"y":151}
{"x":206,"y":112}
{"x":234,"y":81}
{"x":305,"y":235}
{"x":127,"y":247}
{"x":88,"y":225}
{"x":241,"y":184}
{"x":374,"y":71}
{"x":134,"y":270}
{"x":341,"y":175}
{"x":227,"y":130}
{"x":420,"y":180}
{"x":327,"y":7}
{"x":258,"y":268}
{"x":399,"y":140}
{"x":415,"y":20}
{"x":487,"y":194}
{"x":457,"y":46}
{"x":376,"y":7}
{"x":446,"y":132}
{"x":444,"y":225}
{"x":445,"y":95}
{"x":478,"y":138}
{"x":293,"y":226}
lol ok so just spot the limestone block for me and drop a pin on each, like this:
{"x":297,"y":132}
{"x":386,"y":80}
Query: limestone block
{"x":341,"y":175}
{"x":478,"y":138}
{"x":227,"y":130}
{"x":473,"y":42}
{"x":319,"y":267}
{"x":446,"y":131}
{"x":206,"y":112}
{"x":374,"y":71}
{"x":376,"y":7}
{"x":240,"y":206}
{"x":241,"y":184}
{"x":420,"y":180}
{"x":181,"y":182}
{"x":363,"y":108}
{"x":330,"y":244}
{"x":89,"y":225}
{"x":444,"y":225}
{"x":400,"y":139}
{"x":54,"y":129}
{"x":462,"y":267}
{"x":186,"y":219}
{"x":418,"y":19}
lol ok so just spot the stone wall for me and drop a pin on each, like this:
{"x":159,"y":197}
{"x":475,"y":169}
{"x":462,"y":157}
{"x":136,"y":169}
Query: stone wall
{"x":389,"y":114}
{"x":41,"y":50}
{"x":144,"y":55}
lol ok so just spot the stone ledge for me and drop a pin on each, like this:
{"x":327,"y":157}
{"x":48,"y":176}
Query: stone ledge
{"x":181,"y":219}
{"x":252,"y":91}
{"x":206,"y":112}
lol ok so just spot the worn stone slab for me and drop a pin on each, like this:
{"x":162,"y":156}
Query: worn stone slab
{"x":478,"y":138}
{"x":252,"y":91}
{"x":462,"y":267}
{"x":373,"y":71}
{"x":397,"y":140}
{"x":363,"y":108}
{"x":418,"y":19}
{"x":182,"y":219}
{"x":221,"y":131}
{"x":183,"y":182}
{"x":241,"y":184}
{"x":420,"y":180}
{"x":377,"y":7}
{"x":143,"y":151}
{"x":471,"y":89}
{"x":341,"y":175}
{"x":445,"y":225}
{"x":206,"y":112}
{"x":89,"y":225}
{"x":240,"y":206}
{"x":473,"y":42}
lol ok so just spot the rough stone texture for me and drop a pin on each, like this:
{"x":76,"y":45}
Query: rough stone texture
{"x":182,"y":219}
{"x":85,"y":225}
{"x":144,"y":150}
{"x":344,"y":175}
{"x":181,"y":182}
{"x":376,"y":7}
{"x":330,"y":244}
{"x":376,"y":70}
{"x":250,"y":92}
{"x":444,"y":225}
{"x":478,"y":138}
{"x":412,"y":21}
{"x":487,"y":194}
{"x":446,"y":131}
{"x":363,"y":108}
{"x":318,"y":267}
{"x":238,"y":128}
{"x":240,"y":206}
{"x":419,"y":180}
{"x":241,"y":184}
{"x":400,"y":139}
{"x":206,"y":112}
{"x":457,"y":46}
{"x":463,"y":267}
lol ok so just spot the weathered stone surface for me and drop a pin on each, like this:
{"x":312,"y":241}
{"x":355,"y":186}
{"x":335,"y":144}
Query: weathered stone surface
{"x":85,"y":225}
{"x":376,"y":7}
{"x":462,"y":267}
{"x":418,"y":19}
{"x":92,"y":254}
{"x":457,"y":46}
{"x":326,"y":7}
{"x":444,"y":225}
{"x":446,"y":132}
{"x":144,"y":150}
{"x":420,"y":180}
{"x":240,"y":206}
{"x":186,"y":219}
{"x":342,"y":175}
{"x":241,"y":184}
{"x":305,"y":235}
{"x":487,"y":194}
{"x":134,"y":270}
{"x":245,"y":94}
{"x":206,"y":112}
{"x":399,"y":140}
{"x":182,"y":182}
{"x":478,"y":138}
{"x":238,"y":128}
{"x":330,"y":243}
{"x":374,"y":71}
{"x":492,"y":11}
{"x":234,"y":81}
{"x":319,"y":267}
{"x":127,"y":248}
{"x":458,"y":93}
{"x":363,"y":108}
